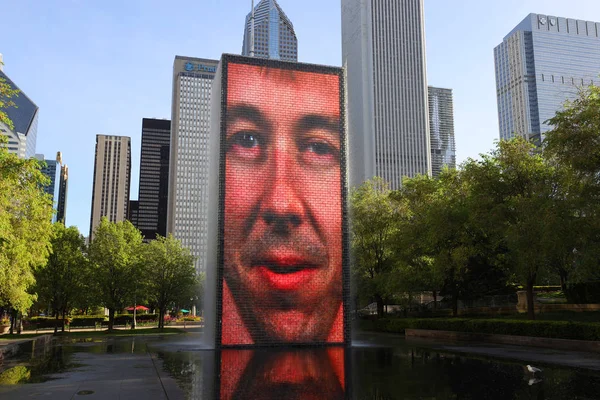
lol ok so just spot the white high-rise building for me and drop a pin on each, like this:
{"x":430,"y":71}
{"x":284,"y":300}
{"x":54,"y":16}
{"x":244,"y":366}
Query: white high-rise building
{"x":112,"y":178}
{"x":274,"y":35}
{"x":188,"y":163}
{"x":383,"y":51}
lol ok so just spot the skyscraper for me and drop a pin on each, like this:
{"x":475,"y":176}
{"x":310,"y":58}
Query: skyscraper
{"x":52,"y":171}
{"x":383,"y":50}
{"x":22,"y":138}
{"x":112,"y":176}
{"x":188,"y":164}
{"x":61,"y":207}
{"x":154,"y":178}
{"x":539,"y":65}
{"x":441,"y":125}
{"x":274,"y":35}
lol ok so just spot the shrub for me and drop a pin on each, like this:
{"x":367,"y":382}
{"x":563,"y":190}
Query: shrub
{"x":583,"y":293}
{"x":189,"y":318}
{"x":87,"y":320}
{"x":43,"y":322}
{"x":548,"y":329}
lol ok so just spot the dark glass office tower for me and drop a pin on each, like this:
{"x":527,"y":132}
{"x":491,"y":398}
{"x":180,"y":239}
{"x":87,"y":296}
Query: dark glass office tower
{"x":61,"y":207}
{"x":23,"y":136}
{"x":154,"y":178}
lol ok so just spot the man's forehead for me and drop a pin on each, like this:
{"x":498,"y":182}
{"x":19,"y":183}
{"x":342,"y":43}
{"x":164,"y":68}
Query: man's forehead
{"x":278,"y":89}
{"x":243,"y":74}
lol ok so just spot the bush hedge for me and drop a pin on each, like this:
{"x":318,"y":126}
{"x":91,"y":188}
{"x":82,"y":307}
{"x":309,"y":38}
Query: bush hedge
{"x":583,"y":293}
{"x":74,"y":322}
{"x":127,"y":319}
{"x":547,"y":329}
{"x":86,"y":320}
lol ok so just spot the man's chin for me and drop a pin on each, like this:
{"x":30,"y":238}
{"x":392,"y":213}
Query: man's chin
{"x":292,"y":326}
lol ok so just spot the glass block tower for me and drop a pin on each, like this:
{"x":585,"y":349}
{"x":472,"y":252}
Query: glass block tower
{"x":540,"y":64}
{"x":441,"y":124}
{"x":383,"y":51}
{"x":188,"y":162}
{"x":274,"y":35}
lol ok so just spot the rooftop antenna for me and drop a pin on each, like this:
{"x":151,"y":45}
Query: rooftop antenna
{"x":252,"y":31}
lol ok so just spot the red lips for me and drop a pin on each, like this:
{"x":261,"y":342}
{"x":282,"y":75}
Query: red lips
{"x":286,"y":272}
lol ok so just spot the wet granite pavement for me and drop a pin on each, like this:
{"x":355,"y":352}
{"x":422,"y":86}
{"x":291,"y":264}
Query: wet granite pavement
{"x":377,"y":367}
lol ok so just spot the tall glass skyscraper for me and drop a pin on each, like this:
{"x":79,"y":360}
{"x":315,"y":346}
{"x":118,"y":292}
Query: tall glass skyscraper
{"x":58,"y":173}
{"x":441,"y":125}
{"x":21,"y":139}
{"x":52,"y":172}
{"x":188,"y":164}
{"x":539,"y":65}
{"x":383,"y":50}
{"x":274,"y":35}
{"x":61,"y":207}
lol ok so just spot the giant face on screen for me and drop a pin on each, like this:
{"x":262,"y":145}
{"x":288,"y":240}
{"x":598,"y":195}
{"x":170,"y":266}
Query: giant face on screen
{"x":283,"y":231}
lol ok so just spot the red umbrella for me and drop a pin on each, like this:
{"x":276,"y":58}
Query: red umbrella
{"x":138,"y":308}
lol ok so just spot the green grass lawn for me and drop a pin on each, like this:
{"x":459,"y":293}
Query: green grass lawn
{"x":104,"y":333}
{"x":23,"y":336}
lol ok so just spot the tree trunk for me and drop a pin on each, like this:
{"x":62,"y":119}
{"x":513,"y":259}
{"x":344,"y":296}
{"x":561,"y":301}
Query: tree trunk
{"x":56,"y":321}
{"x":435,"y":300}
{"x":161,"y":318}
{"x":530,"y":306}
{"x":111,"y":318}
{"x":62,"y":328}
{"x":455,"y":303}
{"x":13,"y":321}
{"x":563,"y":281}
{"x":379,"y":301}
{"x":19,"y":322}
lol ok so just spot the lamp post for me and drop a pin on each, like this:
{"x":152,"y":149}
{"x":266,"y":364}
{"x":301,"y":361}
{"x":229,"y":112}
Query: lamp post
{"x":134,"y":308}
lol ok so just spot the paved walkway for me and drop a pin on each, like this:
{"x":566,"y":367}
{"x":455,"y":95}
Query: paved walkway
{"x":123,"y":376}
{"x":541,"y":356}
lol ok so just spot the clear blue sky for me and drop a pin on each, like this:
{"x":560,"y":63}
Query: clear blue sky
{"x":101,"y":66}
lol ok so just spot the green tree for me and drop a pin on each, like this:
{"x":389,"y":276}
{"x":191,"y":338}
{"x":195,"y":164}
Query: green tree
{"x":6,"y":93}
{"x":518,"y":197}
{"x":374,"y":224}
{"x":446,"y":244}
{"x":413,"y":254}
{"x":25,"y":227}
{"x":573,"y":147}
{"x":171,"y":274}
{"x":115,"y":257}
{"x":62,"y":281}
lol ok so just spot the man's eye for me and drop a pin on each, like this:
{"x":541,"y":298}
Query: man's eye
{"x":246,"y":145}
{"x":319,"y":153}
{"x":245,"y":139}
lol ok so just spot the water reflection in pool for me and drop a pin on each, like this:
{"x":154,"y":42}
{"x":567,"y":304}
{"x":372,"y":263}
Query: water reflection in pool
{"x":376,"y":367}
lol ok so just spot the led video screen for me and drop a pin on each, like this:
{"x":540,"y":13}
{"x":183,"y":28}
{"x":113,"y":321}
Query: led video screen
{"x":275,"y":374}
{"x":283,"y":265}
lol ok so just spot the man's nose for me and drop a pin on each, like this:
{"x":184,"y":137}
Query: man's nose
{"x":282,"y":208}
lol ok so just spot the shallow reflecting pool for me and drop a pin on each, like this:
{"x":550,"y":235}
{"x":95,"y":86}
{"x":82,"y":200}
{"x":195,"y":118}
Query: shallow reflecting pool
{"x":376,"y":367}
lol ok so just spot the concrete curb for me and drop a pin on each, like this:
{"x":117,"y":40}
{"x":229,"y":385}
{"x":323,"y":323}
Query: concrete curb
{"x":12,"y":348}
{"x":561,"y":344}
